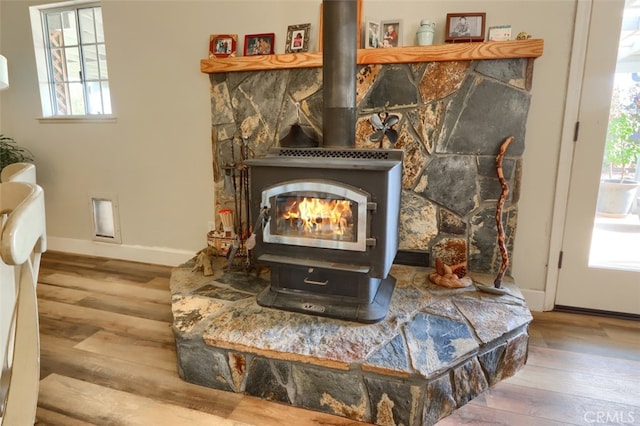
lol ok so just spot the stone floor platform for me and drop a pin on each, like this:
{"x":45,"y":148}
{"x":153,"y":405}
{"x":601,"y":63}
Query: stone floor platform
{"x":435,"y":351}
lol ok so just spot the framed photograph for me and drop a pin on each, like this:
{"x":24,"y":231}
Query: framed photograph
{"x":499,"y":33}
{"x":391,"y":33}
{"x":297,"y":38}
{"x":465,"y":27}
{"x":259,"y":44}
{"x":222,"y":45}
{"x":372,"y":34}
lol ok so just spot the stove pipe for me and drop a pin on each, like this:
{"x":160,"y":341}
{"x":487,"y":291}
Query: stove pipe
{"x":339,"y":57}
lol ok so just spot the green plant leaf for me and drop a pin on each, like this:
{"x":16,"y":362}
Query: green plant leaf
{"x":622,"y":148}
{"x":11,"y":152}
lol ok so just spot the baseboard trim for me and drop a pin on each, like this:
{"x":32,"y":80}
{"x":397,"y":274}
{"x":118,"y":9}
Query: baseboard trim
{"x":534,"y":299}
{"x":153,"y":255}
{"x":596,"y":312}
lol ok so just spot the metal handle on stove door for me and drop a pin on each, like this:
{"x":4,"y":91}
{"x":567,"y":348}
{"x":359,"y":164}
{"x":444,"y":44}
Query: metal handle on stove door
{"x":263,"y":219}
{"x":308,"y":281}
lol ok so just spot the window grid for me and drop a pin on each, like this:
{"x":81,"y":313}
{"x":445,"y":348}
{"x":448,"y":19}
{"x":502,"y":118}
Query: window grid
{"x":77,"y":61}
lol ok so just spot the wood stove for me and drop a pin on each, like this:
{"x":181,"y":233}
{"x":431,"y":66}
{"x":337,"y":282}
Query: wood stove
{"x":330,"y":215}
{"x":329,"y":229}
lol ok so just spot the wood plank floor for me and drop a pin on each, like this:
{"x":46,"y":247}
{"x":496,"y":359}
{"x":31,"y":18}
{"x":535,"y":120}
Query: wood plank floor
{"x":108,"y":358}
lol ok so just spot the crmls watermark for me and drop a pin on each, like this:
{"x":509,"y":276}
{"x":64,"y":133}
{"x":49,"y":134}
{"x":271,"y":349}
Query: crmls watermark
{"x":615,"y":417}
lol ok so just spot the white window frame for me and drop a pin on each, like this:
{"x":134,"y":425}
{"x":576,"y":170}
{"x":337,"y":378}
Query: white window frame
{"x":42,"y":64}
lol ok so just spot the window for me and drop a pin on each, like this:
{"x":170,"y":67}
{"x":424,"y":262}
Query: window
{"x":71,"y":59}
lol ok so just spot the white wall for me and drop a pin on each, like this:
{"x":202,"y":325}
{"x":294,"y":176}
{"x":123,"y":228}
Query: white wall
{"x":157,"y":156}
{"x":1,"y":53}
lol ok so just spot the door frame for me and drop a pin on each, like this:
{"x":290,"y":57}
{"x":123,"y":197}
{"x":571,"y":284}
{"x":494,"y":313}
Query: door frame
{"x":567,"y":145}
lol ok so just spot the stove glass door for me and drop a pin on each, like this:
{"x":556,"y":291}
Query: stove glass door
{"x":316,"y":214}
{"x":327,"y":217}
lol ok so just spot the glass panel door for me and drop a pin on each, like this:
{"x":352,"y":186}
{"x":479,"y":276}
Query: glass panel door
{"x":596,"y":272}
{"x":615,"y":240}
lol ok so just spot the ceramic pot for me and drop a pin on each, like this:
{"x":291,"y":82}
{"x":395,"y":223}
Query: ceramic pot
{"x":615,"y":198}
{"x":425,"y":32}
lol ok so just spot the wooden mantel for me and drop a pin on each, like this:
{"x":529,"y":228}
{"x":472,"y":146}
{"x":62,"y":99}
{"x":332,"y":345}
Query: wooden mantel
{"x":531,"y":48}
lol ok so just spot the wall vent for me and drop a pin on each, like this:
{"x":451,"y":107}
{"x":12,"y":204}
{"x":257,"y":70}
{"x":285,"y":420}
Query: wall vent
{"x":105,"y":217}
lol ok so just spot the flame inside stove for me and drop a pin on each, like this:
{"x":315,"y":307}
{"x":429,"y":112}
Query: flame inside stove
{"x":319,"y":216}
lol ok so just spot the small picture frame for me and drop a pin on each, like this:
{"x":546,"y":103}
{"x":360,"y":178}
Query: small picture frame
{"x":372,"y":35}
{"x":465,"y":27}
{"x":297,"y":38}
{"x":499,"y":33}
{"x":259,"y":44}
{"x":222,"y":45}
{"x":391,"y":33}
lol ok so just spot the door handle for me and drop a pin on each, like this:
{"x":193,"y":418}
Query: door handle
{"x":308,"y":281}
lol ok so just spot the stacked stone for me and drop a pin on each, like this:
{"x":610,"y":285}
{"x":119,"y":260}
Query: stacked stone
{"x":453,"y":116}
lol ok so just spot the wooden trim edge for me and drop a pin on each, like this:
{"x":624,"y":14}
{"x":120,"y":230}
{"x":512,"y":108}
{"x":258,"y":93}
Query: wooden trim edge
{"x":532,"y":48}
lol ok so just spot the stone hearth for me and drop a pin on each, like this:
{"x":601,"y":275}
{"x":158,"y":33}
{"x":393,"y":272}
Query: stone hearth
{"x":436,"y":350}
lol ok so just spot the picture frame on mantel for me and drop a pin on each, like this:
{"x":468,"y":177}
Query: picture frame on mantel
{"x":222,"y":45}
{"x":465,"y":27}
{"x":391,"y":33}
{"x":372,"y":34}
{"x":297,"y":38}
{"x":499,"y":33}
{"x":259,"y":44}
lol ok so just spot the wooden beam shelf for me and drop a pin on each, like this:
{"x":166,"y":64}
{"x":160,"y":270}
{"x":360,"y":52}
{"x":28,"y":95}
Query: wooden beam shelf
{"x":531,"y":48}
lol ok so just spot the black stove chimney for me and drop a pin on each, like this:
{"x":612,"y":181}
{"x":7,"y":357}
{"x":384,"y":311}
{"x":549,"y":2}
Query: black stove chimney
{"x":339,"y":38}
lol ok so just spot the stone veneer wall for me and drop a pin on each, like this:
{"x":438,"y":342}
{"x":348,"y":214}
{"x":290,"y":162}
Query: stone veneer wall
{"x":453,"y":118}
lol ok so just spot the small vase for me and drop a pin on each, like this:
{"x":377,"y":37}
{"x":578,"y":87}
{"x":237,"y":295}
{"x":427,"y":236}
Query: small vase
{"x":425,"y":32}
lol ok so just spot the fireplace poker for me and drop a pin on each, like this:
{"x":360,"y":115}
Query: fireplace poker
{"x":236,"y":212}
{"x":241,"y":199}
{"x":248,"y":238}
{"x":245,"y":170}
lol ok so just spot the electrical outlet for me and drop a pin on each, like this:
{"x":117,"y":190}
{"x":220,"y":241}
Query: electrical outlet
{"x":211,"y":226}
